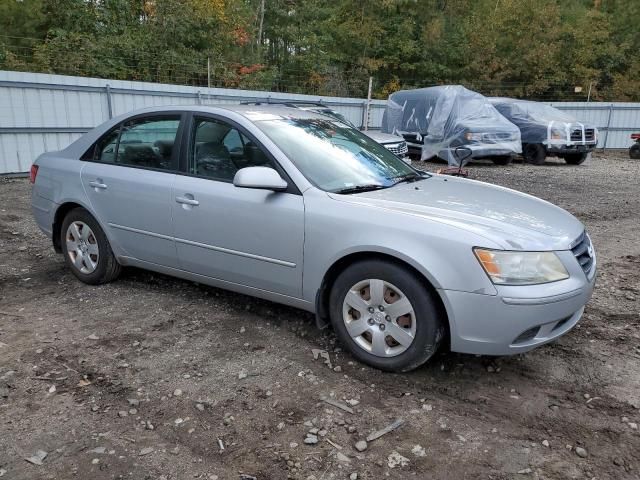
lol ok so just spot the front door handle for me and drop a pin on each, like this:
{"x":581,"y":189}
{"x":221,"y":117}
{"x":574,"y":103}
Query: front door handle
{"x":98,"y":184}
{"x":187,"y":201}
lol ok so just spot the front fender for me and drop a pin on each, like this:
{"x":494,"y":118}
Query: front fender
{"x":441,"y":252}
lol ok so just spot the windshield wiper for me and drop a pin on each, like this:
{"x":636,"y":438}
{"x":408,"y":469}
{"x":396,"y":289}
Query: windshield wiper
{"x":410,"y":177}
{"x":361,"y":188}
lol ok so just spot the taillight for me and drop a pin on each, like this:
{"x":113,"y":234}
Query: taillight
{"x":33,"y":173}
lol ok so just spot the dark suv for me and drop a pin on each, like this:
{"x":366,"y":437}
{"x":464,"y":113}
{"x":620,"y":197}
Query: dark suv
{"x":547,"y":131}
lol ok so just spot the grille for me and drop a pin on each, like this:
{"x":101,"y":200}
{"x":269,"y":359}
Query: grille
{"x":583,"y":251}
{"x":576,"y":135}
{"x":527,"y":335}
{"x":497,"y":137}
{"x":561,"y":323}
{"x":400,"y":149}
{"x":589,"y":134}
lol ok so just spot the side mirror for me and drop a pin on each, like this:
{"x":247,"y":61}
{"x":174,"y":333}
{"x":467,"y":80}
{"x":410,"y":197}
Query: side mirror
{"x":262,"y":178}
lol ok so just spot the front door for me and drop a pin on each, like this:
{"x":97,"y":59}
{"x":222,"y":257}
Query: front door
{"x":129,"y":183}
{"x":240,"y":235}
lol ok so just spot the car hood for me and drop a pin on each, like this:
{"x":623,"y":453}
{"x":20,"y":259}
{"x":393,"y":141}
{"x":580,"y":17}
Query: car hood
{"x":383,"y":137}
{"x":511,"y":219}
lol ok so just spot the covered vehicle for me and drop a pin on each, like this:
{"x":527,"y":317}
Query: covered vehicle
{"x":436,"y":120}
{"x":547,"y":131}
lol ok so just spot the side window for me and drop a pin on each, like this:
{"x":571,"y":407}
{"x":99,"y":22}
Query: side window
{"x":233,"y":141}
{"x":106,"y":148}
{"x":218,"y":150}
{"x":149,"y":142}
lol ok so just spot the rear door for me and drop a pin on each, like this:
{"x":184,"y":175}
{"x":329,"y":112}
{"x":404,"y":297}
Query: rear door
{"x":129,"y":178}
{"x":241,"y":235}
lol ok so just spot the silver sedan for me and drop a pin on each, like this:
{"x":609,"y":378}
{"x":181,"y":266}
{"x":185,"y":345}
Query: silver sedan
{"x":302,"y":209}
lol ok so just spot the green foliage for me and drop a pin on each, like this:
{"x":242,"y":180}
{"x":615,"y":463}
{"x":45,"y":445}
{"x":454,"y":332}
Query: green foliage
{"x":545,"y":49}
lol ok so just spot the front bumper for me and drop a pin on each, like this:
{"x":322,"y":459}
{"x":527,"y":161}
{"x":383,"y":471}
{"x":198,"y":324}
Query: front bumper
{"x":518,"y":318}
{"x":555,"y":149}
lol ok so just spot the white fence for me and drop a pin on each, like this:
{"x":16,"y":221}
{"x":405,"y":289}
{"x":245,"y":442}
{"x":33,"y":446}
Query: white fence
{"x":40,"y":112}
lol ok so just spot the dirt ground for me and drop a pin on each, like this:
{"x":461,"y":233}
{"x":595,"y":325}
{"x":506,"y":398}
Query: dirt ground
{"x":156,"y":378}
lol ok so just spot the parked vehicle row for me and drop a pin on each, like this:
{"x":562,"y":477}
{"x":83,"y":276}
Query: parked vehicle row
{"x":436,"y":120}
{"x":300,"y":208}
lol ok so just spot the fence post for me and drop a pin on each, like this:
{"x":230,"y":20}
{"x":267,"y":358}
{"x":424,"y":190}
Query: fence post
{"x":199,"y":97}
{"x":366,"y":116}
{"x":107,"y":89}
{"x":606,"y":133}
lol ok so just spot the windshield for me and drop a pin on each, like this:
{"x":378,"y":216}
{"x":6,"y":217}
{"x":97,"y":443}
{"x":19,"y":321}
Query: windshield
{"x":335,"y":157}
{"x":540,"y":112}
{"x":337,"y":116}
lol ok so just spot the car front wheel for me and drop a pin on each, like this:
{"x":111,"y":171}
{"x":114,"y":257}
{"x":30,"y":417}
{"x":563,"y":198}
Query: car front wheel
{"x":86,"y":249}
{"x":534,"y":153}
{"x":385,"y":315}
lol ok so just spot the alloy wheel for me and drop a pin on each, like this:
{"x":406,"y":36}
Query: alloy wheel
{"x":82,"y":247}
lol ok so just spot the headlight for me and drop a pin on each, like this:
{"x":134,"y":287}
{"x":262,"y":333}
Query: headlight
{"x":473,"y":136}
{"x":521,"y":268}
{"x":557,"y":134}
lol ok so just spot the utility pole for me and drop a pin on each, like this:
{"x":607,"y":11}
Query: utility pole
{"x":589,"y":94}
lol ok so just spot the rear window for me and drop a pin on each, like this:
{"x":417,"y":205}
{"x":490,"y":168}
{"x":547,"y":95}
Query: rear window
{"x":142,"y":142}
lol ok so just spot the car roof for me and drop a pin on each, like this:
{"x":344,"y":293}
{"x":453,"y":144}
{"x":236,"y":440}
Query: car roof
{"x":251,"y":112}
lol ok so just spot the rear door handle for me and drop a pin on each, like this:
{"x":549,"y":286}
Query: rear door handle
{"x":98,"y":184}
{"x":187,"y":201}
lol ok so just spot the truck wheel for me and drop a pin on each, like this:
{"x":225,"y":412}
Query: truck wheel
{"x":634,"y":151}
{"x":534,"y":153}
{"x":502,"y":160}
{"x":575,"y":158}
{"x":385,"y":315}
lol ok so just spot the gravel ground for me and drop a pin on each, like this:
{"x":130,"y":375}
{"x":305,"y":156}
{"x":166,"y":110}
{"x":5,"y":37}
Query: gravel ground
{"x":156,"y":378}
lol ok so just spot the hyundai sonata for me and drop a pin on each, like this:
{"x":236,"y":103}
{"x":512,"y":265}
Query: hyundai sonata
{"x":302,"y":209}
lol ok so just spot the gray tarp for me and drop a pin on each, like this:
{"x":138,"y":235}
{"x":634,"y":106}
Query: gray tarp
{"x":448,"y":117}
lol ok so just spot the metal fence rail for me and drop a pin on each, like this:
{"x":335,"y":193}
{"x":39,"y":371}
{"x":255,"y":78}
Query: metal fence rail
{"x":40,"y":112}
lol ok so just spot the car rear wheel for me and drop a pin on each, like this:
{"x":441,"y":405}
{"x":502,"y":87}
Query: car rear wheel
{"x":502,"y":160}
{"x":534,"y":153}
{"x":86,"y":249}
{"x":385,"y":315}
{"x":575,"y":158}
{"x":634,"y":151}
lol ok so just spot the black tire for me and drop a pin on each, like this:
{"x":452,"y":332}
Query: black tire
{"x":107,"y":268}
{"x":575,"y":158}
{"x":429,"y":326}
{"x":534,"y":153}
{"x":502,"y":160}
{"x":634,"y":151}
